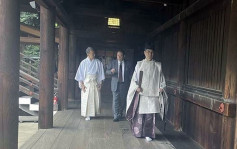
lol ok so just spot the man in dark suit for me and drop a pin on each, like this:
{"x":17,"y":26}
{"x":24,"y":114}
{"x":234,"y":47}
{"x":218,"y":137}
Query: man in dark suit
{"x":121,"y":76}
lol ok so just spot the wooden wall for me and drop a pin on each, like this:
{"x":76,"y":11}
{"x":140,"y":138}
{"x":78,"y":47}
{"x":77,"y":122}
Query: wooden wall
{"x":205,"y":49}
{"x":195,"y":74}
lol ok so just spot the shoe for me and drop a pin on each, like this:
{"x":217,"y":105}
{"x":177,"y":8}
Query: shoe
{"x":87,"y":118}
{"x":116,"y":120}
{"x":148,"y":139}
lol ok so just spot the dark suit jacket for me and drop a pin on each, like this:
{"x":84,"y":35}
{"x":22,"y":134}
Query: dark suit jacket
{"x":127,"y":74}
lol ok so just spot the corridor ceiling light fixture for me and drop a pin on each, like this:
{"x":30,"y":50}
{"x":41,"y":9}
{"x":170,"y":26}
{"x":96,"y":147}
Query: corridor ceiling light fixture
{"x":165,"y":4}
{"x":114,"y":22}
{"x":32,"y":4}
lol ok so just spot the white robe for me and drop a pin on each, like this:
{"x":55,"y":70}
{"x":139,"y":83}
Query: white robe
{"x":151,"y":100}
{"x":90,"y":72}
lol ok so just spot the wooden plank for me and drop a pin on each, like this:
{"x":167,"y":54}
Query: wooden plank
{"x":210,"y":103}
{"x":114,"y":134}
{"x":32,"y":31}
{"x":28,"y":92}
{"x":47,"y":63}
{"x":22,"y":80}
{"x":67,"y":135}
{"x":83,"y":136}
{"x":31,"y":40}
{"x":50,"y":136}
{"x":29,"y":77}
{"x":196,"y":6}
{"x":9,"y":73}
{"x":31,"y":142}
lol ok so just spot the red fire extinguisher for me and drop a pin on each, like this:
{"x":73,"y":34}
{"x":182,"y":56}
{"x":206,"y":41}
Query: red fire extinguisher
{"x":55,"y":100}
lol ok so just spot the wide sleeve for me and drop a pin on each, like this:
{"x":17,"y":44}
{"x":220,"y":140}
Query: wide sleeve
{"x":101,"y":75}
{"x":135,"y":77}
{"x":162,"y":79}
{"x":80,"y":73}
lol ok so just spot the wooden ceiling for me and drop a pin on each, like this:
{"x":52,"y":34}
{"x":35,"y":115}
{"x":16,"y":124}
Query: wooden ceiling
{"x":138,"y":18}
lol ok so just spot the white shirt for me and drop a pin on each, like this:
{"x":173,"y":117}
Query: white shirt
{"x":123,"y":66}
{"x":91,"y":67}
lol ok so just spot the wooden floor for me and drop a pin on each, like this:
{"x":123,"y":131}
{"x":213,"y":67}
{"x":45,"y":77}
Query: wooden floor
{"x":71,"y":131}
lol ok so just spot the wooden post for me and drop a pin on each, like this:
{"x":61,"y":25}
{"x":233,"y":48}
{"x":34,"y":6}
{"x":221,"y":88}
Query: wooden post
{"x":63,"y":68}
{"x":182,"y":40}
{"x":231,"y":77}
{"x":47,"y":64}
{"x":78,"y":60}
{"x":9,"y":73}
{"x":72,"y":67}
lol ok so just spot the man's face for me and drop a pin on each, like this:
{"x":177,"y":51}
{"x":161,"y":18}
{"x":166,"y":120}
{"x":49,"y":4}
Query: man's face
{"x":119,"y":56}
{"x":91,"y":54}
{"x":148,"y":54}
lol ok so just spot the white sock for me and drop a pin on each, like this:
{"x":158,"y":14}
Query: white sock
{"x":87,"y":118}
{"x":148,"y":139}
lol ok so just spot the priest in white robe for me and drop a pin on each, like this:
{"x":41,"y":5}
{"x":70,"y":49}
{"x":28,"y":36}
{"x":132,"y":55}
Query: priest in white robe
{"x":90,"y":75}
{"x":146,"y":96}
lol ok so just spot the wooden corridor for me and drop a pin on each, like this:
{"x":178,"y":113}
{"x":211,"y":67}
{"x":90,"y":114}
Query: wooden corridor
{"x":71,"y":131}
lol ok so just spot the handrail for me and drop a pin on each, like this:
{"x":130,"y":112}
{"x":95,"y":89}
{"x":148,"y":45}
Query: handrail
{"x":28,"y":92}
{"x":28,"y":57}
{"x":23,"y":80}
{"x":30,"y":76}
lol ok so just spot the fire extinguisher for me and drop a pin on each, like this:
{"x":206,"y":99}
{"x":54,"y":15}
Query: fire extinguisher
{"x":55,"y":100}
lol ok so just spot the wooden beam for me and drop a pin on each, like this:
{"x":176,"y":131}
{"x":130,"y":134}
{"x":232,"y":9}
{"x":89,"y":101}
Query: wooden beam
{"x":63,"y":68}
{"x":33,"y":40}
{"x":47,"y":64}
{"x":61,"y":14}
{"x":30,"y":40}
{"x":196,"y":6}
{"x":30,"y":30}
{"x":212,"y":104}
{"x":161,"y":2}
{"x":34,"y":32}
{"x":9,"y":72}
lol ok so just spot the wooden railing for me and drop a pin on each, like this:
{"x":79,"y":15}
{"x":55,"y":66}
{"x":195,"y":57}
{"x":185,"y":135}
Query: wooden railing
{"x":29,"y":77}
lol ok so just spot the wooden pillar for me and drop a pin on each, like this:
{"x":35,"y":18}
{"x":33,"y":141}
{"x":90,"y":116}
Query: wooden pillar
{"x":47,"y":64}
{"x":63,"y":68}
{"x":182,"y":41}
{"x":72,"y":67}
{"x":229,"y":138}
{"x":9,"y":73}
{"x":77,"y":89}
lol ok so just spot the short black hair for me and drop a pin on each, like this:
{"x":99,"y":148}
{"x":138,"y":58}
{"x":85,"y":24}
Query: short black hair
{"x":121,"y":52}
{"x":149,"y":46}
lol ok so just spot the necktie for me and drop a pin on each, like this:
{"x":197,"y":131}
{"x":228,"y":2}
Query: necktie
{"x":120,"y":73}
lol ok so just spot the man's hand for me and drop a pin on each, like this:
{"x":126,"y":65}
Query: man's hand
{"x":83,"y":87}
{"x":99,"y":86}
{"x":113,"y":71}
{"x":161,"y":90}
{"x":139,"y":89}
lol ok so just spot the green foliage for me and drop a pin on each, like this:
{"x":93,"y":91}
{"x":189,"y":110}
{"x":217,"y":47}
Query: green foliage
{"x":31,"y":50}
{"x":31,"y":19}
